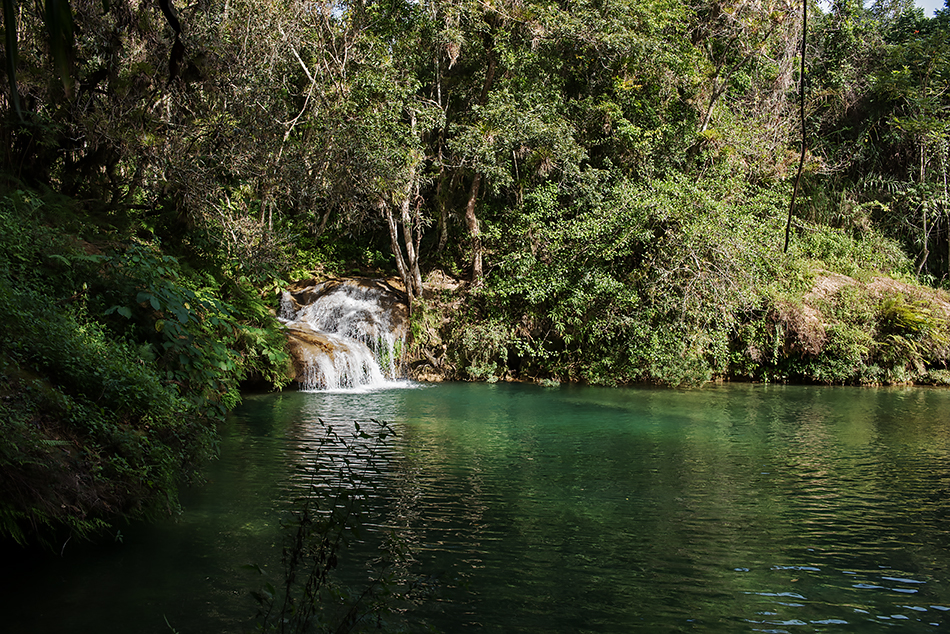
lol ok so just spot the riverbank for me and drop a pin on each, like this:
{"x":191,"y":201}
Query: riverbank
{"x":869,"y":329}
{"x":117,"y":362}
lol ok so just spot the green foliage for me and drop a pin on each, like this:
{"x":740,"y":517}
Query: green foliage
{"x":880,"y":113}
{"x":624,"y":283}
{"x":620,"y":169}
{"x":844,"y":331}
{"x":938,"y":377}
{"x":909,"y":335}
{"x":482,"y":350}
{"x":842,"y":252}
{"x":844,"y":356}
{"x":606,"y":281}
{"x":186,"y":327}
{"x":127,"y":440}
{"x":114,"y":370}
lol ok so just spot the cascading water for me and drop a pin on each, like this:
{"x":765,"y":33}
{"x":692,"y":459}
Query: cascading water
{"x":345,"y":335}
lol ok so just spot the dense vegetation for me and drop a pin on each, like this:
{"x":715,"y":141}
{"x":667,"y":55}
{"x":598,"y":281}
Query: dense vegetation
{"x":611,"y":178}
{"x":115,"y":364}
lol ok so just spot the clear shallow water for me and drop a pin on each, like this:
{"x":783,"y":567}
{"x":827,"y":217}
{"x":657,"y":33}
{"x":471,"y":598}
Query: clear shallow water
{"x":726,"y":509}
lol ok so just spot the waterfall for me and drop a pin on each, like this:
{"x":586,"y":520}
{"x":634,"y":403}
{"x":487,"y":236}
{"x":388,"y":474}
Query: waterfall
{"x":345,"y":334}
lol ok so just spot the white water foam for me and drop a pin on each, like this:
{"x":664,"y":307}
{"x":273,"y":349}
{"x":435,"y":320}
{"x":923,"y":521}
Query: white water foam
{"x":364,"y":346}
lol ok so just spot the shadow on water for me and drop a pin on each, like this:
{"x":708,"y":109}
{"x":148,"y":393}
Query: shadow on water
{"x":729,"y":508}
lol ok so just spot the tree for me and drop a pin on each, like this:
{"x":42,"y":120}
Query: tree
{"x":879,"y":98}
{"x":916,"y":80}
{"x":748,"y":57}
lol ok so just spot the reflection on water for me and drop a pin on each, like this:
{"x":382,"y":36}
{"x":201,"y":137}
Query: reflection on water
{"x":733,"y":508}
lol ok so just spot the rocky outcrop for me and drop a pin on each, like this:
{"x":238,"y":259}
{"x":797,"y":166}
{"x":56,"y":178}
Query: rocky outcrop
{"x":848,"y":330}
{"x":304,"y":343}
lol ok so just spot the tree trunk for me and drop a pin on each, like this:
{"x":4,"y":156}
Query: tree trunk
{"x":396,"y":249}
{"x":946,"y":213}
{"x":719,"y":88}
{"x":443,"y":212}
{"x":406,"y":252}
{"x":925,"y":255}
{"x":411,"y":236}
{"x":801,"y":104}
{"x":471,"y":221}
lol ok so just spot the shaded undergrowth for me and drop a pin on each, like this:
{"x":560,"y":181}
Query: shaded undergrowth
{"x":116,"y":363}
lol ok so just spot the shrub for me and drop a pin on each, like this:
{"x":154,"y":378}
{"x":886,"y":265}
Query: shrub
{"x":114,"y":369}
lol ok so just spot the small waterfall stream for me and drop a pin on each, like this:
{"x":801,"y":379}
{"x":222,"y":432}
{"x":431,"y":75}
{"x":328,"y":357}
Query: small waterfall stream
{"x":345,"y":334}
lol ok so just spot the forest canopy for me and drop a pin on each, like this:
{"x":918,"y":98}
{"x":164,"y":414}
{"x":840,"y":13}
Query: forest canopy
{"x":260,"y":128}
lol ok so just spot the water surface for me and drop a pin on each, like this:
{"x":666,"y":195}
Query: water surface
{"x":728,"y":508}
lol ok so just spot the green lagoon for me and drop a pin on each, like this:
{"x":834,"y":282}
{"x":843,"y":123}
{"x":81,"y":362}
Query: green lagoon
{"x":732,"y":508}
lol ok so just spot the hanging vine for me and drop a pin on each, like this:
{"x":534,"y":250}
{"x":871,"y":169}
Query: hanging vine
{"x":801,"y":105}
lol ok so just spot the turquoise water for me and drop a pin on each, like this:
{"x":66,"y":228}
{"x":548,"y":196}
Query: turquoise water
{"x":725,"y":509}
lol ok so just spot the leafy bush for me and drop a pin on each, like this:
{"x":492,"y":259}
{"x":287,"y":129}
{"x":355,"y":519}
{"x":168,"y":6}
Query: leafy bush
{"x":114,"y":369}
{"x":842,"y":252}
{"x":198,"y":340}
{"x":859,"y":333}
{"x":87,"y":423}
{"x":609,"y":281}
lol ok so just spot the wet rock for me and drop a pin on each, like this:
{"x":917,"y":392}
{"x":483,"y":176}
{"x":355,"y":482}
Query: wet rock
{"x":345,"y":333}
